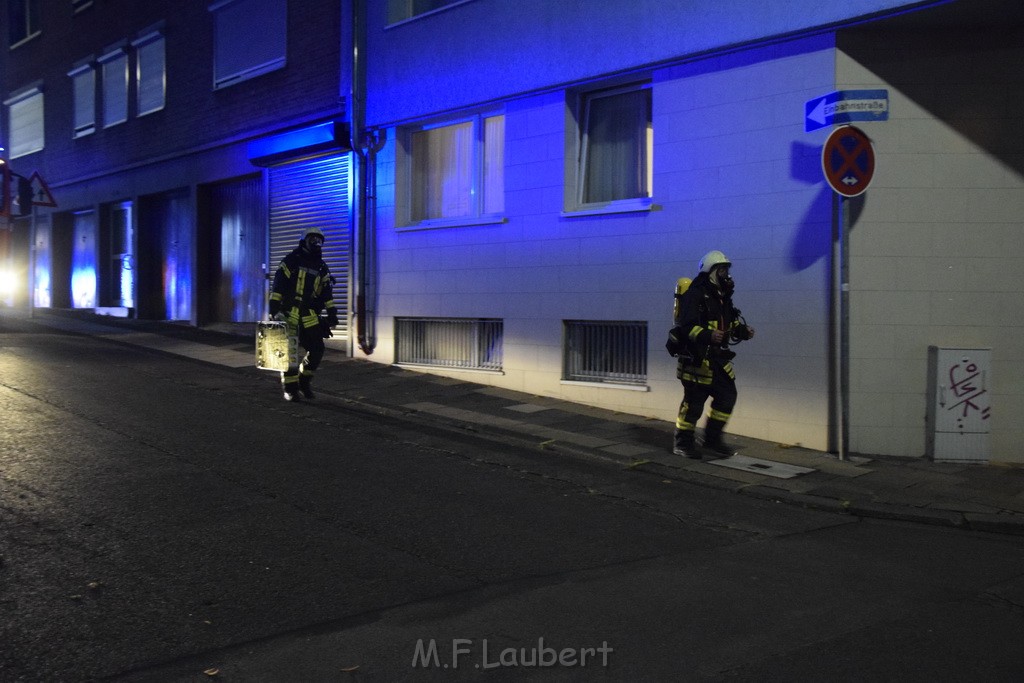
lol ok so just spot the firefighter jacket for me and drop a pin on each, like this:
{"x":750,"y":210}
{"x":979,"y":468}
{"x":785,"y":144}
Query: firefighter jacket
{"x":703,"y":309}
{"x":302,"y":289}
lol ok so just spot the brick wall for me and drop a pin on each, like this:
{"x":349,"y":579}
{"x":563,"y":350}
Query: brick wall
{"x":194,"y":115}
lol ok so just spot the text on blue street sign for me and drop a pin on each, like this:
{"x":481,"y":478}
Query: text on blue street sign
{"x":844,"y":106}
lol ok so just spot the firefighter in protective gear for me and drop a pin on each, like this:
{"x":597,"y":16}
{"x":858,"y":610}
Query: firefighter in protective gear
{"x":301,"y":290}
{"x":706,"y":323}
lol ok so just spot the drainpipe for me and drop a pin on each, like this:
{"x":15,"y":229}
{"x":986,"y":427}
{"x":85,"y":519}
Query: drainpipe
{"x":364,"y":148}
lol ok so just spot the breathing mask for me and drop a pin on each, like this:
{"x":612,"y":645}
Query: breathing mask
{"x":721,"y":279}
{"x":315,"y":245}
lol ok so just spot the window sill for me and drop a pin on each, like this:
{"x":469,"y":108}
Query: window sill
{"x":154,"y":110}
{"x":400,"y":22}
{"x":226,"y":81}
{"x":425,"y":366}
{"x":621,"y":206}
{"x":604,"y":385}
{"x":438,"y":223}
{"x":22,"y":41}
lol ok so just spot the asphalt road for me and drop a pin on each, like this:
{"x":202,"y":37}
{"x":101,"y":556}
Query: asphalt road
{"x":161,"y":518}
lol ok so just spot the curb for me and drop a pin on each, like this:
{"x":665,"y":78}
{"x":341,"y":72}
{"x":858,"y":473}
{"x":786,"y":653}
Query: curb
{"x":999,"y":523}
{"x":905,"y":513}
{"x":996,"y":523}
{"x":802,"y":499}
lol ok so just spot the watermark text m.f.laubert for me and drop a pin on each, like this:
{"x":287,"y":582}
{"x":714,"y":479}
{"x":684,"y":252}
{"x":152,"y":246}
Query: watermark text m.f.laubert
{"x":483,"y":655}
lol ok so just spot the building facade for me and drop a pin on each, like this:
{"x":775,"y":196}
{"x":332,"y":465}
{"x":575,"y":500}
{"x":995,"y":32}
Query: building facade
{"x":552,"y":168}
{"x":184,"y":156}
{"x":530,"y":180}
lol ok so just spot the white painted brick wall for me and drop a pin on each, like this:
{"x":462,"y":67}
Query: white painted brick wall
{"x":724,"y":137}
{"x":937,"y":255}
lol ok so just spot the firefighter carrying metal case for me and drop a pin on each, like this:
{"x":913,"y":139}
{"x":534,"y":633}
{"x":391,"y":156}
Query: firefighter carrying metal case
{"x":275,"y":348}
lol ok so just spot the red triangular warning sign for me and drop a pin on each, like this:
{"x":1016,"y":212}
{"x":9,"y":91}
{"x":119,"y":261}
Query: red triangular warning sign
{"x":41,"y":195}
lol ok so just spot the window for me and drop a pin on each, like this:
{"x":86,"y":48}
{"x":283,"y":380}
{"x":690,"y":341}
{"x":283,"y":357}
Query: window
{"x":616,"y":146}
{"x":25,"y":118}
{"x":150,"y":73}
{"x":238,"y":56}
{"x":115,"y":87}
{"x":474,"y":344}
{"x":24,"y":20}
{"x":607,"y":352}
{"x":457,"y":171}
{"x":83,"y":83}
{"x":400,"y":10}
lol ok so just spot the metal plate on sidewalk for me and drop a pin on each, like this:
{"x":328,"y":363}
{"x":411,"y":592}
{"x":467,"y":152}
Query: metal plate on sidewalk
{"x":769,"y":468}
{"x":527,"y":408}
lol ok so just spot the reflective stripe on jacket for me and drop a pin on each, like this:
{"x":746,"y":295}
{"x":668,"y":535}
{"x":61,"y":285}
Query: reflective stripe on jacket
{"x":302,"y":288}
{"x":702,"y":310}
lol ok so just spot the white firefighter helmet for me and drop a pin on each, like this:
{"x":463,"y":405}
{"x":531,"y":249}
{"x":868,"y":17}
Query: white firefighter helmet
{"x":314,"y":231}
{"x":712,"y":259}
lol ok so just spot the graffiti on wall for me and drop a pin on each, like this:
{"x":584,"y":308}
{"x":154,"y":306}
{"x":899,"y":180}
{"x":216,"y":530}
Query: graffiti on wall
{"x":965,"y":397}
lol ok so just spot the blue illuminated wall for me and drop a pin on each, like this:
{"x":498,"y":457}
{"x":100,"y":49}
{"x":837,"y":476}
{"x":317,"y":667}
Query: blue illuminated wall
{"x":488,"y":50}
{"x":240,"y":228}
{"x":733,"y":170}
{"x":41,"y":291}
{"x":166,"y":236}
{"x":199,"y":138}
{"x":83,"y":261}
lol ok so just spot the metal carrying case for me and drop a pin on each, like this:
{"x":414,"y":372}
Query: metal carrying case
{"x":275,"y":348}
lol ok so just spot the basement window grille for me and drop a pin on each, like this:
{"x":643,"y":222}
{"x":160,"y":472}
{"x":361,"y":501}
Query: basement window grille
{"x":613,"y":352}
{"x":464,"y":343}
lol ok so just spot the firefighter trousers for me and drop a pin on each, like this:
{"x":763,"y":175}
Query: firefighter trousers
{"x":311,"y":339}
{"x":722,"y":392}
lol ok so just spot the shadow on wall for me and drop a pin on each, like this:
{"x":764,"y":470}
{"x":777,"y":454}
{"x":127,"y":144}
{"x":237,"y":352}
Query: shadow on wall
{"x":816,"y":232}
{"x":969,"y":80}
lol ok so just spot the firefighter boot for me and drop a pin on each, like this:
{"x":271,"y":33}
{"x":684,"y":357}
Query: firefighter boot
{"x":714,"y":442}
{"x":290,"y":388}
{"x":684,"y":445}
{"x":305,"y":386}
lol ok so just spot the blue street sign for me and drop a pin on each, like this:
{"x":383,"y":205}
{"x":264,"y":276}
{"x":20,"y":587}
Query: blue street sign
{"x":844,"y":106}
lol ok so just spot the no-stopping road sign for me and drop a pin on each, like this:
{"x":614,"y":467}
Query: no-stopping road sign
{"x":848,"y":160}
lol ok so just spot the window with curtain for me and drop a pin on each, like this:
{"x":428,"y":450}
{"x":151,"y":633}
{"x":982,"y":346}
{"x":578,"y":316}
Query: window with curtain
{"x":237,"y":56}
{"x":83,"y":84}
{"x":25,"y":122}
{"x":457,"y":170}
{"x":150,"y":73}
{"x":617,"y":141}
{"x":115,"y":87}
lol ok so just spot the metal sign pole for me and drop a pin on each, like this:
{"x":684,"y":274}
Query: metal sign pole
{"x":848,"y":162}
{"x":844,"y":327}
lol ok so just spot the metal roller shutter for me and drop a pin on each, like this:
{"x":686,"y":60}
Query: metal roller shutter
{"x":315,"y":193}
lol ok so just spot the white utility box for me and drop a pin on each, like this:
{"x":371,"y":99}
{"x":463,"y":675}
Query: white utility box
{"x":959,"y":404}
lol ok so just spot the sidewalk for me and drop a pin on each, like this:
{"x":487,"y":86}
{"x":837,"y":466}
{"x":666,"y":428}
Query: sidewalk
{"x":977,"y":497}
